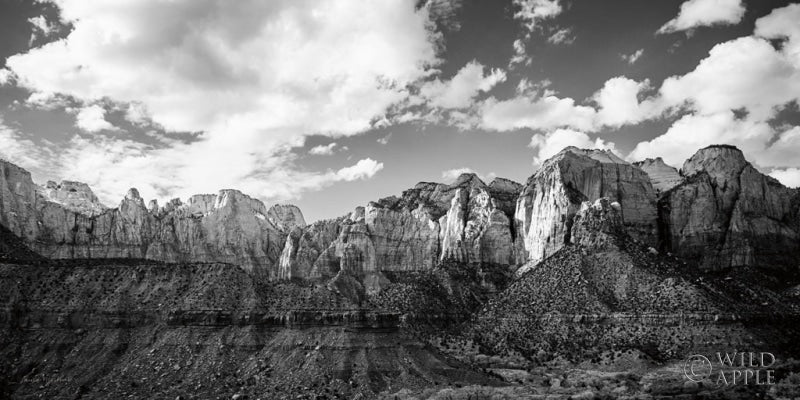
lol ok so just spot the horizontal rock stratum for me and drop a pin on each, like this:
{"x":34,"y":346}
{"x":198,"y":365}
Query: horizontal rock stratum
{"x":717,"y":211}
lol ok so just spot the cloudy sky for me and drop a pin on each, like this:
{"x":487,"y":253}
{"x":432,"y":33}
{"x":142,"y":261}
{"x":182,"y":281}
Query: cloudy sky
{"x":330,"y":104}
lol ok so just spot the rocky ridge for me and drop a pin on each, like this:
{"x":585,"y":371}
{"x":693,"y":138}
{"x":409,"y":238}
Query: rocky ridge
{"x":714,"y":199}
{"x":726,"y":214}
{"x":663,"y":177}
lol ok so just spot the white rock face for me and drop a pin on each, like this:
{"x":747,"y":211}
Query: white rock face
{"x":465,"y":221}
{"x":286,"y":216}
{"x":225,"y":227}
{"x":74,"y":196}
{"x":662,"y":176}
{"x":552,"y":196}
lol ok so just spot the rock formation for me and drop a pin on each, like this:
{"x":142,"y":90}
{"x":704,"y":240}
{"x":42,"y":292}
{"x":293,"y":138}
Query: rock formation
{"x":74,"y":196}
{"x":719,"y":212}
{"x":662,"y":176}
{"x":552,"y":196}
{"x":727,"y":214}
{"x":226,"y":227}
{"x":466,"y":221}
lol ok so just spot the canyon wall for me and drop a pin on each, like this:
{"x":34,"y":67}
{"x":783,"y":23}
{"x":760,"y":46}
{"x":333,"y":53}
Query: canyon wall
{"x":717,"y":212}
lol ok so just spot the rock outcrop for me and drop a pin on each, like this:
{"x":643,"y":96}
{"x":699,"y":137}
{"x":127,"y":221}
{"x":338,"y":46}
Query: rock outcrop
{"x":226,"y":227}
{"x":552,"y":196}
{"x":727,"y":214}
{"x":662,"y":176}
{"x":74,"y":196}
{"x":466,"y":221}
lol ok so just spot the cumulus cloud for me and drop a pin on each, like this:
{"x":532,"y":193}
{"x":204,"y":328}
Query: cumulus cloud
{"x":519,"y":57}
{"x":460,"y":91}
{"x":451,"y":175}
{"x":253,"y":77}
{"x":619,"y":103}
{"x":633,"y":57}
{"x":562,"y":36}
{"x":5,"y":76}
{"x":789,"y":176}
{"x":385,"y":140}
{"x":41,"y":28}
{"x":697,"y":13}
{"x":323,"y":150}
{"x":733,"y":95}
{"x":93,"y":119}
{"x":532,"y":12}
{"x":538,"y":113}
{"x":694,"y":131}
{"x":551,"y":143}
{"x":363,"y":169}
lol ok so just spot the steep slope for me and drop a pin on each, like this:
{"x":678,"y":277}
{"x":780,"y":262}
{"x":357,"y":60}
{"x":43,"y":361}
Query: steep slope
{"x":606,"y":292}
{"x":727,"y":214}
{"x":553,"y":195}
{"x":106,"y":329}
{"x":663,"y":176}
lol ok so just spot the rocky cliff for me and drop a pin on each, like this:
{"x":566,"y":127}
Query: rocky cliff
{"x":551,"y":197}
{"x":229,"y":226}
{"x":718,"y":212}
{"x":662,"y":176}
{"x":727,"y":214}
{"x":467,"y":221}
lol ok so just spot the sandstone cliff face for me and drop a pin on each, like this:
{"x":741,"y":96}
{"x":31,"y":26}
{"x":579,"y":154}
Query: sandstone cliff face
{"x":552,"y":196}
{"x":227,"y":227}
{"x":727,"y":214}
{"x":467,"y":221}
{"x":74,"y":196}
{"x":662,"y":176}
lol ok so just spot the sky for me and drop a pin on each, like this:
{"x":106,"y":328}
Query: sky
{"x":329,"y":104}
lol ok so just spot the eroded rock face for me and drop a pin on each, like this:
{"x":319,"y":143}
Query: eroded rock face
{"x":286,"y":216}
{"x":74,"y":196}
{"x":466,"y":221}
{"x":727,"y":214}
{"x":225,"y":227}
{"x":662,"y":176}
{"x":552,"y":196}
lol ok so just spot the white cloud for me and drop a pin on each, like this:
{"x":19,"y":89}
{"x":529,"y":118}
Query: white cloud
{"x":782,"y":23}
{"x":254,"y":77}
{"x":743,"y":73}
{"x":6,"y":76}
{"x":692,"y":132}
{"x":697,"y":13}
{"x":633,"y":57}
{"x":41,"y":28}
{"x":363,"y":169}
{"x":733,"y":95}
{"x":451,"y":175}
{"x":619,"y":104}
{"x":542,"y":113}
{"x":519,"y":57}
{"x":323,"y":150}
{"x":534,"y":11}
{"x":790,"y":177}
{"x":460,"y":91}
{"x":385,"y":140}
{"x":93,"y":119}
{"x":550,"y":144}
{"x":562,"y":36}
